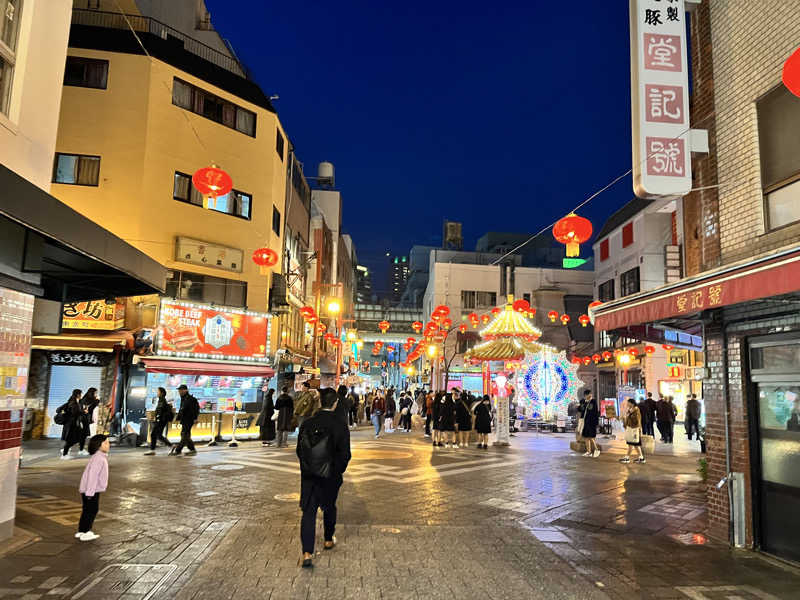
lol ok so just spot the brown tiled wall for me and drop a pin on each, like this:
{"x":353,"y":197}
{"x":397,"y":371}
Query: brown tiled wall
{"x":10,"y":433}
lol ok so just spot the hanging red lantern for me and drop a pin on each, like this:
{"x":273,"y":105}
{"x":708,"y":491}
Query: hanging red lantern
{"x":595,"y":304}
{"x":410,"y":340}
{"x":617,"y":352}
{"x":596,"y":358}
{"x":667,"y":347}
{"x":472,"y":316}
{"x":391,"y":364}
{"x":496,"y":311}
{"x":587,"y":360}
{"x":416,"y":326}
{"x":564,"y":319}
{"x":633,"y":352}
{"x":462,"y":328}
{"x":521,"y":306}
{"x":791,"y":73}
{"x":485,"y":319}
{"x":383,"y":364}
{"x":552,"y":315}
{"x":321,"y":327}
{"x":584,"y":320}
{"x":383,"y":326}
{"x":306,"y":311}
{"x":447,"y":323}
{"x":441,"y":310}
{"x":212,"y":182}
{"x":649,"y":349}
{"x":572,"y":230}
{"x":576,"y":360}
{"x":607,"y":355}
{"x":265,"y":258}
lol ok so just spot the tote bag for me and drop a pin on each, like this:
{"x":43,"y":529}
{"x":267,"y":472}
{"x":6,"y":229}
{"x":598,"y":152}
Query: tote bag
{"x":632,"y":435}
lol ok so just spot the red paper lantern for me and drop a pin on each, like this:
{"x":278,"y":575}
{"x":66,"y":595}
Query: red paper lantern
{"x":791,"y":73}
{"x":564,"y":319}
{"x":391,"y":364}
{"x":667,"y":347}
{"x":447,"y":323}
{"x":607,"y":355}
{"x":265,"y":258}
{"x":462,"y":328}
{"x":596,"y":358}
{"x":572,"y":230}
{"x":495,"y":311}
{"x":552,"y":315}
{"x":383,"y":364}
{"x":472,"y":316}
{"x":485,"y":319}
{"x":587,"y":360}
{"x":595,"y":304}
{"x":521,"y":306}
{"x":649,"y":349}
{"x":410,"y":340}
{"x":321,"y":327}
{"x":576,"y":360}
{"x":441,"y":310}
{"x":584,"y":320}
{"x":416,"y":326}
{"x":633,"y":352}
{"x":212,"y":182}
{"x":383,"y":326}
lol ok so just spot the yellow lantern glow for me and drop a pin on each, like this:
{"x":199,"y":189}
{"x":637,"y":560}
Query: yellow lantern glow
{"x":334,"y":307}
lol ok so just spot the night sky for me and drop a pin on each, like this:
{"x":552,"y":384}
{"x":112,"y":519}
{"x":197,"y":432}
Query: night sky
{"x":504,"y":116}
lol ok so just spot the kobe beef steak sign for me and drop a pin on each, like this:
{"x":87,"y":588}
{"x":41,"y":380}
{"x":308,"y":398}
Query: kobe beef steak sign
{"x":204,"y":331}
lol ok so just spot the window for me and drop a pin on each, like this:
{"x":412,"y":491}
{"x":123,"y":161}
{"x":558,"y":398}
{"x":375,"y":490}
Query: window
{"x":527,"y":298}
{"x":276,"y":220}
{"x":605,"y":340}
{"x":10,"y":13}
{"x":213,"y":107}
{"x":76,"y":169}
{"x":486,"y":298}
{"x":604,"y":249}
{"x":467,"y":299}
{"x":605,"y":291}
{"x":205,"y":288}
{"x":627,"y":235}
{"x":86,"y":72}
{"x":779,"y":145}
{"x":236,"y":203}
{"x":279,"y":143}
{"x":629,"y":282}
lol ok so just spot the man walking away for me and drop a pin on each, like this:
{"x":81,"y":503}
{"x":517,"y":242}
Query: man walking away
{"x":323,"y":447}
{"x":187,"y":415}
{"x":648,"y":410}
{"x":693,"y":410}
{"x":164,"y":416}
{"x":285,"y":407}
{"x":305,"y":405}
{"x":343,"y":404}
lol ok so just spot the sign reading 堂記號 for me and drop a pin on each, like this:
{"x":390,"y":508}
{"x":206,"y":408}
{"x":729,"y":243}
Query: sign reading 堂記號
{"x":662,"y":163}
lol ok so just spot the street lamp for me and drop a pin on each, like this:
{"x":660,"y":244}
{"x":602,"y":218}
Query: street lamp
{"x":432,"y":350}
{"x":334,"y":307}
{"x":351,"y":336}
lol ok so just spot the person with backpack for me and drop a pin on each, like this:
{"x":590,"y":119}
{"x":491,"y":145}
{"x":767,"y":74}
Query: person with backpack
{"x":70,"y":416}
{"x":187,"y":415}
{"x":163,"y":417}
{"x":323,"y":447}
{"x":305,"y":405}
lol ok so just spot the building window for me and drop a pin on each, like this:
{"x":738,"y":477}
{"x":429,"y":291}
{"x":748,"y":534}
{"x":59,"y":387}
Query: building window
{"x":627,"y":235}
{"x":604,"y":249}
{"x":236,"y":203}
{"x":629,"y":282}
{"x":10,"y":13}
{"x":467,"y":299}
{"x":779,"y":145}
{"x":527,"y":298}
{"x":605,"y":291}
{"x":86,"y":72}
{"x":279,"y":143}
{"x":213,"y":107}
{"x":76,"y":169}
{"x":205,"y":288}
{"x":605,"y":340}
{"x":484,"y":299}
{"x":276,"y":220}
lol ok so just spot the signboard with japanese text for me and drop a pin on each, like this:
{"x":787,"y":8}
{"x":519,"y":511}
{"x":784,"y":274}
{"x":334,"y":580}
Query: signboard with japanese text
{"x":205,"y":331}
{"x":79,"y":359}
{"x":97,"y":315}
{"x":16,"y":318}
{"x":206,"y":254}
{"x":662,"y":163}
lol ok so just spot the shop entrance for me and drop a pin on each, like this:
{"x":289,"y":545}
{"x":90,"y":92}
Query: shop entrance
{"x":775,"y":371}
{"x":64,"y":379}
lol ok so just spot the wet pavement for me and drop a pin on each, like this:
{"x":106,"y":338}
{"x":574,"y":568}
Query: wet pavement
{"x":533,"y":520}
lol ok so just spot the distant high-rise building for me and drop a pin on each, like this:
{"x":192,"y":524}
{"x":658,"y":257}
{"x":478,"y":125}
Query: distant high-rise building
{"x":398,"y":277}
{"x":363,"y":285}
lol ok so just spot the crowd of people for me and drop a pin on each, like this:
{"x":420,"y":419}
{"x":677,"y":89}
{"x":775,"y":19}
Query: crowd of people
{"x":81,"y":416}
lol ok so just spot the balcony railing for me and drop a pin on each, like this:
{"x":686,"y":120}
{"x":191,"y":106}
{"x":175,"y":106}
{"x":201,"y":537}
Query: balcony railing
{"x":110,"y":20}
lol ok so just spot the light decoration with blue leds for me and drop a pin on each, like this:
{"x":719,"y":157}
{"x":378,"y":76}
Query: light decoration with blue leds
{"x":549,"y":384}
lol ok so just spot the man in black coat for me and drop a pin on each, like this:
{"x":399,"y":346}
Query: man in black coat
{"x":187,"y":416}
{"x":317,"y":491}
{"x":648,"y":410}
{"x":343,"y":405}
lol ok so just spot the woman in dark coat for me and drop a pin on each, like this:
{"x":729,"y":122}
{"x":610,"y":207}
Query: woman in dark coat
{"x":591,"y":419}
{"x":72,"y":430}
{"x":447,"y":419}
{"x":88,"y":403}
{"x":463,"y":420}
{"x":483,"y":421}
{"x":266,"y":425}
{"x":285,"y":408}
{"x":435,"y":409}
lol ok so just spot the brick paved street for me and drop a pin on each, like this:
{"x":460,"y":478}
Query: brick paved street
{"x":532,"y":521}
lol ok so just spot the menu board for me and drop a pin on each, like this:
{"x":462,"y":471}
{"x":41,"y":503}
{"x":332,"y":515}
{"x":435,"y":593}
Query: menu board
{"x":16,"y":316}
{"x":205,"y":331}
{"x":213,"y":393}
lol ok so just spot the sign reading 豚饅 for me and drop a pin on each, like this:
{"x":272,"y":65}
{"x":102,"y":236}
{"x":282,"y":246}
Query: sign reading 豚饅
{"x":205,"y":331}
{"x":662,"y":163}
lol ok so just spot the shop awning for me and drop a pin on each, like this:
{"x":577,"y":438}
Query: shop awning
{"x":191,"y":367}
{"x":763,"y":277}
{"x":97,"y":342}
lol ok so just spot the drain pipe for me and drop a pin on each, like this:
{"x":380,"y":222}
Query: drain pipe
{"x":728,"y":475}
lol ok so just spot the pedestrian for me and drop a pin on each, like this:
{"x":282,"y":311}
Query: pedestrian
{"x":378,"y":410}
{"x":368,"y":404}
{"x":265,"y":422}
{"x":665,"y":418}
{"x":693,"y":410}
{"x":306,"y":404}
{"x":632,"y":421}
{"x":391,"y":410}
{"x":163,"y":417}
{"x":89,"y":404}
{"x":647,"y":408}
{"x":285,"y":407}
{"x":353,"y":399}
{"x":591,"y":418}
{"x":323,"y":447}
{"x":436,"y":407}
{"x":463,"y":421}
{"x":187,"y":416}
{"x":70,"y":416}
{"x":447,"y":419}
{"x":94,"y":481}
{"x":405,"y":412}
{"x":483,"y":421}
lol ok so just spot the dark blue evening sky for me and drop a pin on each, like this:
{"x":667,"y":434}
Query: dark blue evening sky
{"x":502,"y":115}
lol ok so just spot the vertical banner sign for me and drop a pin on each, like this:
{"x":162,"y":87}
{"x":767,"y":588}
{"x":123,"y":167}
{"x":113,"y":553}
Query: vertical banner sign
{"x":662,"y":163}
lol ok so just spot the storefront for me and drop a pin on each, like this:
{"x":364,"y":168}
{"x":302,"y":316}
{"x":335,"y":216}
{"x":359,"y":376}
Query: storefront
{"x":221,"y":354}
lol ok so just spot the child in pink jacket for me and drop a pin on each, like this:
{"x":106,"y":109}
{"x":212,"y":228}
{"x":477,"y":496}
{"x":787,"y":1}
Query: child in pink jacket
{"x":93,"y":481}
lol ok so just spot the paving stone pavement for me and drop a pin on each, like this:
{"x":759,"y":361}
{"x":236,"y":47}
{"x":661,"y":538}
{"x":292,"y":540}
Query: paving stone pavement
{"x":533,"y":520}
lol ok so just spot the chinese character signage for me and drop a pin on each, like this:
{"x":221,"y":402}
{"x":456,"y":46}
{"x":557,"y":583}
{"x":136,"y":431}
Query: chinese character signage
{"x":660,"y":99}
{"x":206,"y":254}
{"x":95,"y":315}
{"x":204,"y":331}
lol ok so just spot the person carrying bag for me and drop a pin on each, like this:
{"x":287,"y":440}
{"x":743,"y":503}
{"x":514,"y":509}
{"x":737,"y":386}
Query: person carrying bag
{"x":633,"y":432}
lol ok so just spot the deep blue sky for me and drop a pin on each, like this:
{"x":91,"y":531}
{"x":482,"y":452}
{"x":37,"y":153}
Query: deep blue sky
{"x":501,"y":115}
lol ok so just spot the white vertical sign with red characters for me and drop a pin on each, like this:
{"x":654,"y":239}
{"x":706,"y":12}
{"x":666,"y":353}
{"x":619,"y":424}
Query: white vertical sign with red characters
{"x":662,"y":163}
